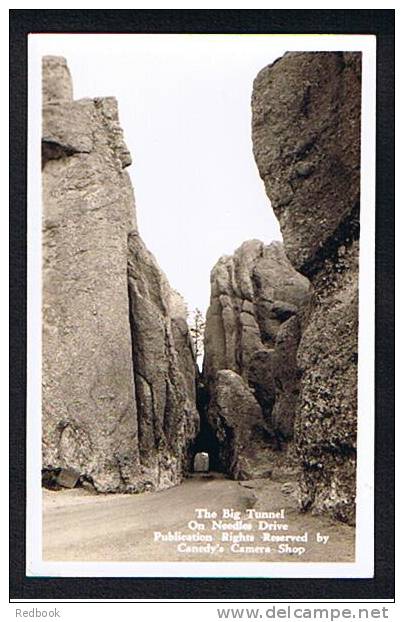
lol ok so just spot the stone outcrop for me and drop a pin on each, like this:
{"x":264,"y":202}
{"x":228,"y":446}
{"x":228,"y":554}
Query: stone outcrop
{"x":236,"y":418}
{"x":164,"y":369}
{"x":118,"y":367}
{"x":251,"y":336}
{"x":306,"y":138}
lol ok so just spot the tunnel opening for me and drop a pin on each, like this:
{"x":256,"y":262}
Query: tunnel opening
{"x":206,"y":440}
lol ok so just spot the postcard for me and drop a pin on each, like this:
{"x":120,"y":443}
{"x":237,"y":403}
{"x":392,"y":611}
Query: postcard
{"x":201,"y":305}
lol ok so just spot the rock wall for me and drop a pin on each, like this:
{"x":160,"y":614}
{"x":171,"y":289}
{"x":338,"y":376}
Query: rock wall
{"x":164,"y":369}
{"x":306,"y":140}
{"x":252,"y":328}
{"x":118,"y":367}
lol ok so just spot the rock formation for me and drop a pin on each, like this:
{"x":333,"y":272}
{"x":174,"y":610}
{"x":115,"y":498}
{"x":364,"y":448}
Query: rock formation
{"x":119,"y":372}
{"x":252,"y":328}
{"x":118,"y":368}
{"x":306,"y":138}
{"x":236,"y":417}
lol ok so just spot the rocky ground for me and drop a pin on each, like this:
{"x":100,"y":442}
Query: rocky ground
{"x":82,"y":526}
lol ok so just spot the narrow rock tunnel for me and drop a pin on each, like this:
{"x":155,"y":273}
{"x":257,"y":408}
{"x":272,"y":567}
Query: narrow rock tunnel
{"x":206,"y":440}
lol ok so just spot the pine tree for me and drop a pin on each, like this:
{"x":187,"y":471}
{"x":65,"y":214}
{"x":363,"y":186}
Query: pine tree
{"x":197,"y":330}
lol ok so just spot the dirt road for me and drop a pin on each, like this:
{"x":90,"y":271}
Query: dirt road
{"x":81,"y":526}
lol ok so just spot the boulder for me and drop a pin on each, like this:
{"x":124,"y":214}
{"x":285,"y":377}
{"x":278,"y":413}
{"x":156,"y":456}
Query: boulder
{"x":236,"y":417}
{"x":67,"y":478}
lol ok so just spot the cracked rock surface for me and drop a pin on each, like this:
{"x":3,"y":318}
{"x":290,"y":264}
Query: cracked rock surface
{"x":252,"y":331}
{"x":306,"y":140}
{"x":118,"y":367}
